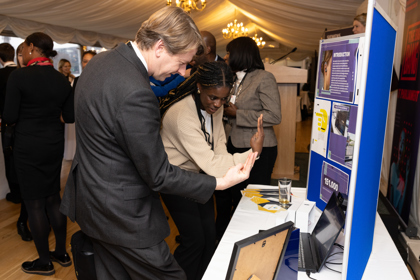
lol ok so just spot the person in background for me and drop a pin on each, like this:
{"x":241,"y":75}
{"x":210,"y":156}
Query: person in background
{"x":38,"y":102}
{"x":359,"y":26}
{"x":86,"y":57}
{"x":7,"y":55}
{"x":255,"y":92}
{"x":70,"y":130}
{"x":19,"y":57}
{"x":64,"y":67}
{"x":194,"y":139}
{"x":359,"y":23}
{"x":208,"y":55}
{"x":162,"y":88}
{"x":210,"y":49}
{"x":120,"y":163}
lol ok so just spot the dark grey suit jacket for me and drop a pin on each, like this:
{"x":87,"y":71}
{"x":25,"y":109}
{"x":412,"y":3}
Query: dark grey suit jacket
{"x":120,"y":163}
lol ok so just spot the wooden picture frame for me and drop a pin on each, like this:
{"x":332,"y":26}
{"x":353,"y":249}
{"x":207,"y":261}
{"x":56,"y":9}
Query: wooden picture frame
{"x":260,"y":255}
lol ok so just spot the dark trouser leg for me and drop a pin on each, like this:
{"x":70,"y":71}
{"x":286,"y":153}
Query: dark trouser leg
{"x":195,"y":223}
{"x":23,"y":217}
{"x":207,"y":222}
{"x":224,"y":211}
{"x":40,"y":228}
{"x":120,"y":263}
{"x":58,"y":222}
{"x":11,"y":176}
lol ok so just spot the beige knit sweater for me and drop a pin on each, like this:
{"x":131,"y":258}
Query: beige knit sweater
{"x":185,"y":143}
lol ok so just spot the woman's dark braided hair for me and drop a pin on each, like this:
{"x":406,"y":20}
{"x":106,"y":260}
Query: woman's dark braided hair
{"x":209,"y":75}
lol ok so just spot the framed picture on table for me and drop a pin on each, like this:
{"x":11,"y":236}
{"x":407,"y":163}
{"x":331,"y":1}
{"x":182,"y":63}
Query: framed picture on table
{"x":260,"y":256}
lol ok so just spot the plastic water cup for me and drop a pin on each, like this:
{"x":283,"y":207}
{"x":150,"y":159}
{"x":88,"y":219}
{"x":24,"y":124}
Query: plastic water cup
{"x":285,"y":188}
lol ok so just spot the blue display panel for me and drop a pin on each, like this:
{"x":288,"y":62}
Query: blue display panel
{"x":376,"y":99}
{"x":335,"y":135}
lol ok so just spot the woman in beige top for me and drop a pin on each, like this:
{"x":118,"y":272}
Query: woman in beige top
{"x":194,"y":139}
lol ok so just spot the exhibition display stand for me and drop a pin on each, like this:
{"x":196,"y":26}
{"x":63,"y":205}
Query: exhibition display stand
{"x":350,"y":112}
{"x":287,"y":79}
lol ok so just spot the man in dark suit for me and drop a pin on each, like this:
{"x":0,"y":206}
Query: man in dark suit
{"x":120,"y":163}
{"x":7,"y":56}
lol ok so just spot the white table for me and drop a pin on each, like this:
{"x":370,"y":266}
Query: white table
{"x":384,"y":263}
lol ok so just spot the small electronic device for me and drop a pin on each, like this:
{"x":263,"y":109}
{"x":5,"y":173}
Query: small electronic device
{"x":305,"y":216}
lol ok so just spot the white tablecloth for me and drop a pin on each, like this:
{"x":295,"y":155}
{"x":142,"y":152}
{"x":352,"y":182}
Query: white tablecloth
{"x":384,"y":263}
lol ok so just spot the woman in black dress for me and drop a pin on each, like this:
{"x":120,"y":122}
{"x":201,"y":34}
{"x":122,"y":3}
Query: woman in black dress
{"x":39,"y":100}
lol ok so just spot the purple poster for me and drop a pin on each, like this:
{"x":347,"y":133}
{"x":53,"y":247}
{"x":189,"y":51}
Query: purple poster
{"x":337,"y":70}
{"x":342,"y":134}
{"x":333,"y":180}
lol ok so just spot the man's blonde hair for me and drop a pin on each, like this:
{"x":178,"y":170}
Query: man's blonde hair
{"x":174,"y":27}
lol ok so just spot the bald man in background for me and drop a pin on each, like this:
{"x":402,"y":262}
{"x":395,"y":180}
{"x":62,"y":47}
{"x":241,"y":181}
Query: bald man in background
{"x":210,"y":51}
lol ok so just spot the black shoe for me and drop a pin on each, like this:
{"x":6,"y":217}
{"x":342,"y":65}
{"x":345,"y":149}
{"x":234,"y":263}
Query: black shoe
{"x":13,"y":198}
{"x":63,"y":260}
{"x":23,"y":231}
{"x":178,"y":239}
{"x":33,"y":268}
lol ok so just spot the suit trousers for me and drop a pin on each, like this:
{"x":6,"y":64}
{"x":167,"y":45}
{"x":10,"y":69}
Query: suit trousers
{"x":195,"y":223}
{"x":121,"y":263}
{"x":227,"y":200}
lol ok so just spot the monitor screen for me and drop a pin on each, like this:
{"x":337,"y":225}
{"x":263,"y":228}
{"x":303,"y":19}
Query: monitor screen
{"x":328,"y":228}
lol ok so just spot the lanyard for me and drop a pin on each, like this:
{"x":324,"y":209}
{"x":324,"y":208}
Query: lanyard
{"x":210,"y":141}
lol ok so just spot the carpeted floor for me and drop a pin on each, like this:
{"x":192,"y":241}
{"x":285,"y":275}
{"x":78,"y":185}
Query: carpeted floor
{"x":301,"y":160}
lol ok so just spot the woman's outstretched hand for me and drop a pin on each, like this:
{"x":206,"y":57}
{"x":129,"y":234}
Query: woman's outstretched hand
{"x":257,"y":140}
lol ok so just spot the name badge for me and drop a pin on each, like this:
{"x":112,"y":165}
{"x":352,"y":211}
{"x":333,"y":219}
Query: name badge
{"x":232,"y":99}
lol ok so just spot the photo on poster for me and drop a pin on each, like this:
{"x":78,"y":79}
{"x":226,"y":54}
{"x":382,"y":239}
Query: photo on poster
{"x":342,"y":134}
{"x":337,"y":70}
{"x":320,"y":128}
{"x":332,"y":180}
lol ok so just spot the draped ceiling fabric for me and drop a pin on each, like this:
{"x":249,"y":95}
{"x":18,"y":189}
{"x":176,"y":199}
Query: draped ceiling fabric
{"x":291,"y":23}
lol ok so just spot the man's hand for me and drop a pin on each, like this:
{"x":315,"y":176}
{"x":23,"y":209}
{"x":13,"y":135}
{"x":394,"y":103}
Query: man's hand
{"x":257,"y":140}
{"x":236,"y":174}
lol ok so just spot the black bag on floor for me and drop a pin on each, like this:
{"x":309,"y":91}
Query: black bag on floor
{"x":83,"y":256}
